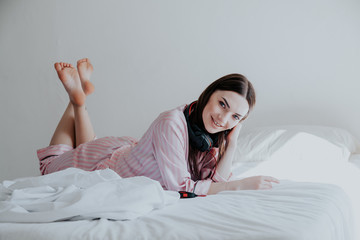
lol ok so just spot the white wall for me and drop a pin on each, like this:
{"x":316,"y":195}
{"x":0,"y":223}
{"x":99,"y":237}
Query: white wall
{"x":303,"y":58}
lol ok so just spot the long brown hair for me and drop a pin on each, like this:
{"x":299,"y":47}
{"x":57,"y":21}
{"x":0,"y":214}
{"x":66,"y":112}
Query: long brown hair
{"x":233,"y":82}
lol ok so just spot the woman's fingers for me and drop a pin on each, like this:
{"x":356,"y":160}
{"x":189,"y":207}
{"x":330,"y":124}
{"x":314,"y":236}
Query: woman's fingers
{"x":237,"y":129}
{"x":254,"y":183}
{"x":234,"y":133}
{"x":270,"y":179}
{"x":267,"y":182}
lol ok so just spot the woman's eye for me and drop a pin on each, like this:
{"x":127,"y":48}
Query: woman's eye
{"x":236,"y":117}
{"x":222,"y":104}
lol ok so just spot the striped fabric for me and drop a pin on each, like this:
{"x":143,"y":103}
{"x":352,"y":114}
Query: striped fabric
{"x":161,"y":154}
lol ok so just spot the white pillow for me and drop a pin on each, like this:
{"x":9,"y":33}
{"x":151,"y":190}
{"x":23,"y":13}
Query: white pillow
{"x":355,"y":159}
{"x":261,"y":144}
{"x":302,"y":153}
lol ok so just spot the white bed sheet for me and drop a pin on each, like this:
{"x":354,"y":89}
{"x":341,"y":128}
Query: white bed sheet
{"x":77,"y":195}
{"x":291,"y":210}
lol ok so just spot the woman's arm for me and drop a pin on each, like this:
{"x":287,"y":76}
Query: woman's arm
{"x":225,"y":164}
{"x":224,"y":170}
{"x":250,"y":183}
{"x":169,"y":146}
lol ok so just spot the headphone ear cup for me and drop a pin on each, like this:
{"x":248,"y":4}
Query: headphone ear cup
{"x":197,"y":137}
{"x":202,"y":140}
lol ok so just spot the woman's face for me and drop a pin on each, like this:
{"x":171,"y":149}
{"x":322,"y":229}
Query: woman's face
{"x":224,"y":110}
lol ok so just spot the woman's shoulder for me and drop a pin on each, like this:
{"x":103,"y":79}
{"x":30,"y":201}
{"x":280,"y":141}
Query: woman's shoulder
{"x":175,"y":114}
{"x":173,"y":118}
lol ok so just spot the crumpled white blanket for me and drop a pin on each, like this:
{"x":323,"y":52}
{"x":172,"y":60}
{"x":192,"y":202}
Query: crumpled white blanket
{"x":75,"y":194}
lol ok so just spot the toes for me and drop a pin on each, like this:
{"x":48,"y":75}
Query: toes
{"x":61,"y":65}
{"x":58,"y":66}
{"x":83,"y":60}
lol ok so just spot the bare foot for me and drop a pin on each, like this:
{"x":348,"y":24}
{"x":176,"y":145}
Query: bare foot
{"x":71,"y":81}
{"x":85,"y":69}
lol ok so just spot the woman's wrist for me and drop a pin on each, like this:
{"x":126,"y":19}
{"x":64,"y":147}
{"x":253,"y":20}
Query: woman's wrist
{"x":231,"y":146}
{"x":228,"y":186}
{"x":217,"y":187}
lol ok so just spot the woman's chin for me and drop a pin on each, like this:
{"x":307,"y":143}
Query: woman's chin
{"x":212,"y":130}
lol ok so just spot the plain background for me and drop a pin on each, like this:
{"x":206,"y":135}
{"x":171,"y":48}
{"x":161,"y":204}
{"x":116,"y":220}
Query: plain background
{"x":303,"y":57}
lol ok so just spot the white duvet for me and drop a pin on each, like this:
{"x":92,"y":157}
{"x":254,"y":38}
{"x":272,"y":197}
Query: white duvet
{"x":291,"y":210}
{"x":77,"y":194}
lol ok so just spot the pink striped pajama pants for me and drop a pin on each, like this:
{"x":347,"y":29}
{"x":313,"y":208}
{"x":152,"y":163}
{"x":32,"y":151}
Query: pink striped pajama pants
{"x":93,"y":155}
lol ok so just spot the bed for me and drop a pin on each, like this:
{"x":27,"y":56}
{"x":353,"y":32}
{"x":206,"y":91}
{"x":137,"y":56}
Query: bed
{"x":317,"y":197}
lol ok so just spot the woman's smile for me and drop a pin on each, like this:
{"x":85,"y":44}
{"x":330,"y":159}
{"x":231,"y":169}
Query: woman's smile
{"x":216,"y":123}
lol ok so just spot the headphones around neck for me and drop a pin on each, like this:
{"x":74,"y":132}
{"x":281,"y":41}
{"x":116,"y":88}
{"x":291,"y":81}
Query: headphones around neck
{"x":198,"y":137}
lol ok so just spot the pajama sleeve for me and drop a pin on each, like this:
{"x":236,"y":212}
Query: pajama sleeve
{"x":170,"y":144}
{"x":208,"y":167}
{"x":218,"y":178}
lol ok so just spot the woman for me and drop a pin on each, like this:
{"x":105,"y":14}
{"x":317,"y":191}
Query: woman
{"x":189,"y":148}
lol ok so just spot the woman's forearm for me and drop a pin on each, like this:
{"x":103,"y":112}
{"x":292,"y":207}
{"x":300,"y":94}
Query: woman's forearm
{"x":249,"y":183}
{"x":225,"y":164}
{"x":217,"y":187}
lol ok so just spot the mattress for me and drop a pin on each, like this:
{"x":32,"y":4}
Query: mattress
{"x":291,"y":210}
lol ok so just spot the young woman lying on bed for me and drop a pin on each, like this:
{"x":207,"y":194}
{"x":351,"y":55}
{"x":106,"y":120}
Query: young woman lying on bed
{"x":189,"y":148}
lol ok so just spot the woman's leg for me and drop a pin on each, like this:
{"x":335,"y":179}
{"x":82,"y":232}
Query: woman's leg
{"x":84,"y":130}
{"x":75,"y":126}
{"x":65,"y":130}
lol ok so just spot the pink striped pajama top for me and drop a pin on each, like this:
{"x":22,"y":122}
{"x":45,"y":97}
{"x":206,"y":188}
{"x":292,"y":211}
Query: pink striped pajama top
{"x":161,"y":154}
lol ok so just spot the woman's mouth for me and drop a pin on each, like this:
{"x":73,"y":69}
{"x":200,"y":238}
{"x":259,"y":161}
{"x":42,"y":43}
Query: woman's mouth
{"x":216,"y":123}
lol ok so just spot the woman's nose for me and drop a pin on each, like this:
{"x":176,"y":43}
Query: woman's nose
{"x":223,"y":118}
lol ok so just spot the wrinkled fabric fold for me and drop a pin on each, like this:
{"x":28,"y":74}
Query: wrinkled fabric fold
{"x":77,"y":194}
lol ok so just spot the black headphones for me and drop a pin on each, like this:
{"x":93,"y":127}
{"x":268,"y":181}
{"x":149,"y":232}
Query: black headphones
{"x":198,"y":137}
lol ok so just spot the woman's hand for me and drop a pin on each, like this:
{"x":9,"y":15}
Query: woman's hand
{"x":253,"y":183}
{"x":233,"y":135}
